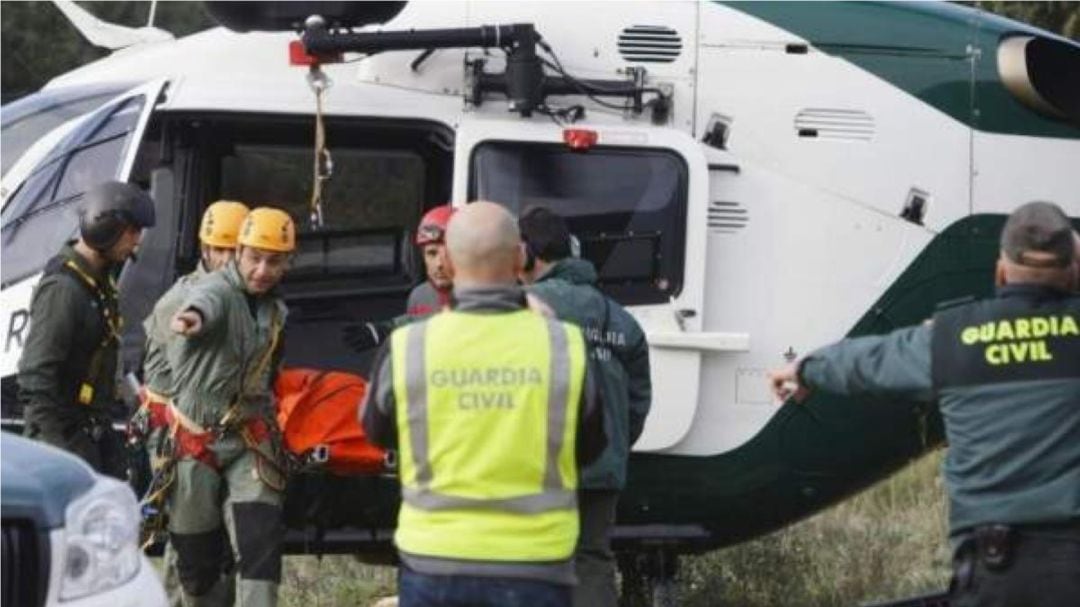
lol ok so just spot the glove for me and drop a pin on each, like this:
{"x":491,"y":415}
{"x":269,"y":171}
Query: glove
{"x":362,"y":337}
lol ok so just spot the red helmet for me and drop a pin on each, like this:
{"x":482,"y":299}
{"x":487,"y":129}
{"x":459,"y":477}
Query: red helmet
{"x":433,"y":225}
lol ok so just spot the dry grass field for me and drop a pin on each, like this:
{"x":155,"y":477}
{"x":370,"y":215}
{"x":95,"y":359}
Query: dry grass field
{"x":885,"y":543}
{"x":888,"y":542}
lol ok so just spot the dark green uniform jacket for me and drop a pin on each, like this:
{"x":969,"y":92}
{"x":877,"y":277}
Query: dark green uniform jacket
{"x":1006,"y":375}
{"x":617,"y":344}
{"x":67,"y":328}
{"x":231,"y":357}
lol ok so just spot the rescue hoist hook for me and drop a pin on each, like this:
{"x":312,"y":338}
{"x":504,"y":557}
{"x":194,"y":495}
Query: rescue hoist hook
{"x":324,"y":162}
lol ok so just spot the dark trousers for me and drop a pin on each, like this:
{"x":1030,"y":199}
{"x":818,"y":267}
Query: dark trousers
{"x":96,"y":442}
{"x":1041,"y":569}
{"x":423,"y":590}
{"x":594,"y":563}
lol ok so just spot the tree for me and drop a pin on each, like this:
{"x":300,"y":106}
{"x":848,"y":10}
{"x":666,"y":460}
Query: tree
{"x":39,"y":43}
{"x":1060,"y":17}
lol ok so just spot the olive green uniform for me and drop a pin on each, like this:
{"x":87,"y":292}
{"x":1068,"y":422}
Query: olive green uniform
{"x":1006,"y":375}
{"x":236,"y":487}
{"x":67,"y":371}
{"x":158,"y":379}
{"x":156,"y":374}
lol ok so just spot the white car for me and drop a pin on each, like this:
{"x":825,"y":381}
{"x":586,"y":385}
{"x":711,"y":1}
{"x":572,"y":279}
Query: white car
{"x":70,"y":535}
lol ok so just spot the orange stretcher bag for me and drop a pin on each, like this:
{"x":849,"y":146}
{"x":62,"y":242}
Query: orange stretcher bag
{"x":317,"y":413}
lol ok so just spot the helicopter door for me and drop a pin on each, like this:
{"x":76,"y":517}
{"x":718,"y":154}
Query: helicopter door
{"x":42,"y":211}
{"x":635,"y":197}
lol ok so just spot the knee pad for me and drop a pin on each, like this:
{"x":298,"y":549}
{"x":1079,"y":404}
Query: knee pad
{"x":259,"y":533}
{"x":199,"y":559}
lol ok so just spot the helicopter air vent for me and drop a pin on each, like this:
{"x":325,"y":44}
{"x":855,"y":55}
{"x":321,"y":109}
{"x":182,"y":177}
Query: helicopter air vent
{"x":727,"y":217}
{"x":824,"y":123}
{"x":650,"y":44}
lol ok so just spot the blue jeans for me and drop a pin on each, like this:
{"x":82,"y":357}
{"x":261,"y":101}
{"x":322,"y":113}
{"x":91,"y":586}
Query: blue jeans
{"x":423,"y":590}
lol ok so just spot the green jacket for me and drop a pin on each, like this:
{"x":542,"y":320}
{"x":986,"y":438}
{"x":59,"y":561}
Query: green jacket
{"x":156,"y":374}
{"x":618,"y":346}
{"x":1013,"y":428}
{"x":235,"y":354}
{"x":68,"y":335}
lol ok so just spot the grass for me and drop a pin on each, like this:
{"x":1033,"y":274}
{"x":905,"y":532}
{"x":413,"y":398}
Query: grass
{"x":888,"y":542}
{"x":333,"y":581}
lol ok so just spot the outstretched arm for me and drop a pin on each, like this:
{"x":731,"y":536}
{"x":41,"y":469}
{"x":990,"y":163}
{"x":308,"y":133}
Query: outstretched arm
{"x":895,"y":364}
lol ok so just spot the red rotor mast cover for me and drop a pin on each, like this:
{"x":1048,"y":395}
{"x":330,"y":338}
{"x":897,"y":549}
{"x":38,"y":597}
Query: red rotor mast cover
{"x":298,"y":55}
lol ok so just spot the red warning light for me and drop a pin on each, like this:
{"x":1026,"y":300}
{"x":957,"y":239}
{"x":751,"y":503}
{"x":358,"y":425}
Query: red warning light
{"x":298,"y":55}
{"x":580,"y":139}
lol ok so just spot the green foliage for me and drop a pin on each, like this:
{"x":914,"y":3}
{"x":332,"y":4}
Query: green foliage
{"x":1060,"y":17}
{"x":39,"y":43}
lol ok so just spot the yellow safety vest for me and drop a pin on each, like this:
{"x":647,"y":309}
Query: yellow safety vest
{"x":487,"y":415}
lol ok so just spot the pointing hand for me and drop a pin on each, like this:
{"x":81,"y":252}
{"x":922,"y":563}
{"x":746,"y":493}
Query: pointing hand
{"x":187,"y":323}
{"x":785,"y":384}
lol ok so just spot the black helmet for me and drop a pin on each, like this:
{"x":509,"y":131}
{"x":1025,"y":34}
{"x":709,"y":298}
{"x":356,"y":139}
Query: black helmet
{"x":109,"y":209}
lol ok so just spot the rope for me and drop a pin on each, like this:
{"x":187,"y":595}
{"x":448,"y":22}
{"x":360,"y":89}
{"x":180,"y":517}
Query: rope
{"x":324,"y":164}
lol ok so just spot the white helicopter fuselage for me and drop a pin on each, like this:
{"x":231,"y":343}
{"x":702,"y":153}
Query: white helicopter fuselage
{"x":794,"y":230}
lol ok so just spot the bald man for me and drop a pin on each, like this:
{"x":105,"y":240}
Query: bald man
{"x":492,"y":408}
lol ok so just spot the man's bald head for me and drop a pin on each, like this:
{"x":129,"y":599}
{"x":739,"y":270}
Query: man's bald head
{"x":484,"y":245}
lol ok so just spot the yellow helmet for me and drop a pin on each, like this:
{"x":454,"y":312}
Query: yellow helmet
{"x":270,"y":229}
{"x":221,"y":223}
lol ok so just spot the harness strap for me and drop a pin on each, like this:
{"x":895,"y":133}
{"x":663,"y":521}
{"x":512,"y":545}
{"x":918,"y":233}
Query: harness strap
{"x":253,"y":375}
{"x":196,"y":446}
{"x":113,"y":325}
{"x":179,"y":419}
{"x":157,"y":408}
{"x":268,"y":354}
{"x":254,"y":433}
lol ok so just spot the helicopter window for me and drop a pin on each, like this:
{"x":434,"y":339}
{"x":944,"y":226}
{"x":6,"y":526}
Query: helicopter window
{"x":369,"y":203}
{"x":627,"y":206}
{"x":43,"y":212}
{"x":30,"y":118}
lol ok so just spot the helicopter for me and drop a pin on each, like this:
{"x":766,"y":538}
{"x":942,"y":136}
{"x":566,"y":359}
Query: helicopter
{"x":750,"y":180}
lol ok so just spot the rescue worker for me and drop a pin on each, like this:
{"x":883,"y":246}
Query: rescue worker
{"x":68,"y":368}
{"x":426,"y":298}
{"x":617,"y":344}
{"x":230,"y":471}
{"x":1006,"y":376}
{"x":493,"y":412}
{"x":434,"y":293}
{"x":218,"y":232}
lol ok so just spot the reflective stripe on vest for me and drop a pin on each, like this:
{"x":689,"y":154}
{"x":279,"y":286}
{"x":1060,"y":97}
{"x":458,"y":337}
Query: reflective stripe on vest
{"x":459,"y":378}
